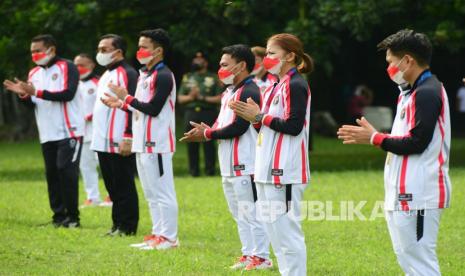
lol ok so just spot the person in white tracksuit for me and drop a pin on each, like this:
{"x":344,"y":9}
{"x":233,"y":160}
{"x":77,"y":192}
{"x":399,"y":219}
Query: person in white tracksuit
{"x":87,"y":90}
{"x":236,"y":151}
{"x":154,"y":137}
{"x":416,"y":173}
{"x":282,"y":170}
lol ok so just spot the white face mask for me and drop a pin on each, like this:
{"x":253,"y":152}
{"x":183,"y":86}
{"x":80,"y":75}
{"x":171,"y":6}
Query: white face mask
{"x":273,"y":65}
{"x":145,"y":56}
{"x":104,"y":58}
{"x":227,"y":76}
{"x":395,"y":74}
{"x":44,"y":60}
{"x":85,"y":75}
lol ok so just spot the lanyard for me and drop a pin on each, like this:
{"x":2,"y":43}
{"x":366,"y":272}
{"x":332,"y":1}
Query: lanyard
{"x":289,"y":74}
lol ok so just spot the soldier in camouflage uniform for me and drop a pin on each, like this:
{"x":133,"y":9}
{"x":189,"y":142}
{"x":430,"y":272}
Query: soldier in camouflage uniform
{"x":200,"y":93}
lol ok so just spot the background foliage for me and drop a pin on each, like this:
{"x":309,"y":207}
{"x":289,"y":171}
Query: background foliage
{"x":341,"y":35}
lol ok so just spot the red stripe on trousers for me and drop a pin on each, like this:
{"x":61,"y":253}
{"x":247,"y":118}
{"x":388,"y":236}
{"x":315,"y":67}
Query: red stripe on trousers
{"x":149,"y":134}
{"x":304,"y":162}
{"x":277,"y":156}
{"x":236,"y":155}
{"x":403,"y":173}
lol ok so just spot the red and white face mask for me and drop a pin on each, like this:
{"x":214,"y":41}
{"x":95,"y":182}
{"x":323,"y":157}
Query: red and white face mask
{"x":41,"y":58}
{"x":272,"y":65}
{"x":395,"y":74}
{"x":257,"y":68}
{"x":83,"y":72}
{"x":226,"y":76}
{"x":144,"y":56}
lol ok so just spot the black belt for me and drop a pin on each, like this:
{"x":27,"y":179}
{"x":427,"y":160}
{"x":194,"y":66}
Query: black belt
{"x":288,"y":197}
{"x":160,"y":164}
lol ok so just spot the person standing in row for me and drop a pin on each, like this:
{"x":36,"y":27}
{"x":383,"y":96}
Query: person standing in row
{"x":282,"y":170}
{"x":87,"y":90}
{"x":200,"y":93}
{"x":154,"y":137}
{"x":236,"y":151}
{"x":416,"y":173}
{"x":51,"y":87}
{"x":112,"y":136}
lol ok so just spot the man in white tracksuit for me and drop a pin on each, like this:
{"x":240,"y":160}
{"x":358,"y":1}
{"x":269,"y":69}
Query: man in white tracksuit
{"x":154,"y":137}
{"x":87,"y":90}
{"x":236,"y":151}
{"x":416,"y":178}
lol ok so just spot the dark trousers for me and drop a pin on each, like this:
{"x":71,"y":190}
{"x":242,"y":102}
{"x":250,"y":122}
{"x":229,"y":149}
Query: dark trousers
{"x":118,"y":175}
{"x":62,"y":173}
{"x":207,"y":116}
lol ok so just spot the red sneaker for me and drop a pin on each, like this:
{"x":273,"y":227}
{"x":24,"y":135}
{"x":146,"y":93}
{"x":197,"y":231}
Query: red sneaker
{"x":258,"y":263}
{"x":241,"y":263}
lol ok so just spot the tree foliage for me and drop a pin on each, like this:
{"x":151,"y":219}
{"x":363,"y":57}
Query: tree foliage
{"x":330,"y":29}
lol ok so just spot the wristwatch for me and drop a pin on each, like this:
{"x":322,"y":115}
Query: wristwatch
{"x":259,"y":117}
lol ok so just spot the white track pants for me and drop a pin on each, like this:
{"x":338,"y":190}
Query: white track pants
{"x":414,"y":235}
{"x":240,"y":195}
{"x":88,"y":167}
{"x":283,"y":224}
{"x":158,"y":185}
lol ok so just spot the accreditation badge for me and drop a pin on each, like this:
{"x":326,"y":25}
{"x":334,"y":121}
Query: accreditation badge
{"x":388,"y":158}
{"x":259,"y":139}
{"x":136,"y":115}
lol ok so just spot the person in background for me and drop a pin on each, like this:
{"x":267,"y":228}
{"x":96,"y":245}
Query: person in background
{"x":87,"y":90}
{"x":263,"y":78}
{"x":363,"y":97}
{"x":200,"y":93}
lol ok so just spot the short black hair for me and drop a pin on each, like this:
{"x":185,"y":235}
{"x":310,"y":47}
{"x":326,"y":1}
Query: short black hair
{"x":408,"y":41}
{"x":118,"y":42}
{"x":241,"y":52}
{"x":86,"y":55}
{"x":47,"y":39}
{"x":158,"y":36}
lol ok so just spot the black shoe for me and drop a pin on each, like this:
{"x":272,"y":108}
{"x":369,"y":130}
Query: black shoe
{"x":71,"y":223}
{"x":110,"y":232}
{"x":119,"y":233}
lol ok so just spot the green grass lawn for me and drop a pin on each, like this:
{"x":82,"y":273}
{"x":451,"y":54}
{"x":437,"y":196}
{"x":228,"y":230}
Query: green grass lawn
{"x":209,"y":241}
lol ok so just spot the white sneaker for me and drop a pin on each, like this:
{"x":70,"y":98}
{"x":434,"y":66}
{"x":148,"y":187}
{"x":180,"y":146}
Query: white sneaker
{"x":147,"y":240}
{"x":258,"y":263}
{"x":164,"y":244}
{"x":160,"y":243}
{"x":241,"y":263}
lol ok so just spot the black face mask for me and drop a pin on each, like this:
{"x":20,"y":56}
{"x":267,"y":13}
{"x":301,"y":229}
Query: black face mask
{"x":196,"y":67}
